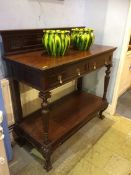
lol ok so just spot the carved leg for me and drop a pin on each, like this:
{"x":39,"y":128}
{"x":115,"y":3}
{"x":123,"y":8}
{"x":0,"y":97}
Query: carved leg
{"x":46,"y":149}
{"x":106,"y":82}
{"x":47,"y":155}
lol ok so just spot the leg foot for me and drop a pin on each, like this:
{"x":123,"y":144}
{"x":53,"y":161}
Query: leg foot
{"x":20,"y":141}
{"x":18,"y":138}
{"x":47,"y":155}
{"x":48,"y":164}
{"x":101,"y":116}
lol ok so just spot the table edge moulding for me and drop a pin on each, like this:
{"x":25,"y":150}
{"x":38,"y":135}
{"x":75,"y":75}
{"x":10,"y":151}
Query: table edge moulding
{"x":27,"y":62}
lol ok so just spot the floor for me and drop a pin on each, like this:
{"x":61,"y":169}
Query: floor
{"x":124,"y":104}
{"x":102,"y":147}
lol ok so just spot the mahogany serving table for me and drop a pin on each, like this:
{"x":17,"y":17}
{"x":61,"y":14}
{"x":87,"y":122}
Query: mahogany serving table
{"x":49,"y":127}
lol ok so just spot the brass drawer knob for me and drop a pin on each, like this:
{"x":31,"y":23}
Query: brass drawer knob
{"x":60,"y":79}
{"x":94,"y":67}
{"x":78,"y":72}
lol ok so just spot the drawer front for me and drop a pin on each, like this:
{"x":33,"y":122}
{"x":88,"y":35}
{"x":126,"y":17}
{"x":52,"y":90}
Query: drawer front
{"x":62,"y":75}
{"x":100,"y":61}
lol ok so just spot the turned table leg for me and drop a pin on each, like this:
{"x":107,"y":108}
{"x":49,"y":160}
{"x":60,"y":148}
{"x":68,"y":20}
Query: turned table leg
{"x":106,"y":82}
{"x":47,"y":155}
{"x":79,"y":84}
{"x":107,"y":78}
{"x":46,"y":149}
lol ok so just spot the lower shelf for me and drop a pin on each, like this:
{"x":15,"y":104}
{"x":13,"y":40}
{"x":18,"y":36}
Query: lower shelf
{"x":67,"y":115}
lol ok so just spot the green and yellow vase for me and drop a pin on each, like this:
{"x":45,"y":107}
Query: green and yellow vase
{"x":56,"y":42}
{"x":82,"y":38}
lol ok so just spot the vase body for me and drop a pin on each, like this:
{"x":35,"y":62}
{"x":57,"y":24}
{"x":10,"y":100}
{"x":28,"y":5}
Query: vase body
{"x":82,"y":38}
{"x":56,"y":42}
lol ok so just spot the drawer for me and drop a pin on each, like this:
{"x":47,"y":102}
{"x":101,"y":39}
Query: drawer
{"x":68,"y":73}
{"x":100,"y":61}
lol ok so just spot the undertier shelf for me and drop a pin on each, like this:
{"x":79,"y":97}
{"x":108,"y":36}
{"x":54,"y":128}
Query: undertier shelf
{"x":66,"y":116}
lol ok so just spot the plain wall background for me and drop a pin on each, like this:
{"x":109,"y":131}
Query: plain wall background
{"x":114,"y":31}
{"x":108,"y":18}
{"x":95,"y":18}
{"x":19,"y":14}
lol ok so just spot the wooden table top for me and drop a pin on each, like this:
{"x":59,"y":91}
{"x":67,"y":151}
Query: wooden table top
{"x":41,"y":61}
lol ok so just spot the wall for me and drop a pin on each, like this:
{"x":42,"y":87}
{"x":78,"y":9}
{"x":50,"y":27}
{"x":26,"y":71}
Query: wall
{"x":114,"y":31}
{"x":125,"y":83}
{"x":109,"y":22}
{"x":17,"y":14}
{"x":95,"y":18}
